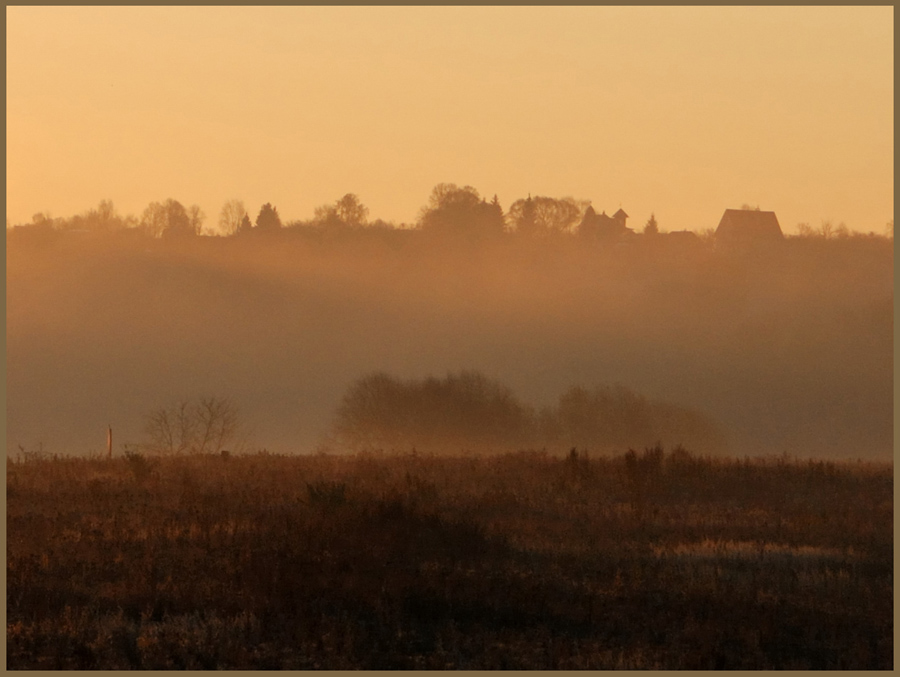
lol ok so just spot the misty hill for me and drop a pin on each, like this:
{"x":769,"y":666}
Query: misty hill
{"x":788,"y":349}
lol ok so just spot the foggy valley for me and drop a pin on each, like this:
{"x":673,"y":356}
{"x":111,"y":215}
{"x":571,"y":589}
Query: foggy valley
{"x":784,"y":346}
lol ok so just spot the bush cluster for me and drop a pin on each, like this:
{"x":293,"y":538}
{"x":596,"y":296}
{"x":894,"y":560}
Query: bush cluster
{"x":470,"y":412}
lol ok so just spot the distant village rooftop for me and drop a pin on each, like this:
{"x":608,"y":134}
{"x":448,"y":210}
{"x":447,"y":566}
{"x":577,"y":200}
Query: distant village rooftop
{"x":748,"y":225}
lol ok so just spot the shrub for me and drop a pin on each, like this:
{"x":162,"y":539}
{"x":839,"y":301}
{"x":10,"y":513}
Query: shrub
{"x":462,"y":411}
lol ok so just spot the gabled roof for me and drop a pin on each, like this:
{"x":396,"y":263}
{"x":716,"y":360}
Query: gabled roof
{"x":602,"y":226}
{"x":750,"y":224}
{"x":619,"y":213}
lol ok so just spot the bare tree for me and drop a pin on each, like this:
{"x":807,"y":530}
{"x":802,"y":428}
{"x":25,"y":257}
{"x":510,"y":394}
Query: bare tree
{"x":196,"y":217}
{"x":171,"y":219}
{"x":161,"y":430}
{"x":171,"y":430}
{"x":231,"y":217}
{"x":206,"y":426}
{"x":217,"y":424}
{"x":805,"y":230}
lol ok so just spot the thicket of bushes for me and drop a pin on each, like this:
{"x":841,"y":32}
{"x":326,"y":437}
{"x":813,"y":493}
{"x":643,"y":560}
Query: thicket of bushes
{"x":468,"y":412}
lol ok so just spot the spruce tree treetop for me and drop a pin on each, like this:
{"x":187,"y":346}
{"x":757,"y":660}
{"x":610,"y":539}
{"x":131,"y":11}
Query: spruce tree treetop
{"x":268,"y":218}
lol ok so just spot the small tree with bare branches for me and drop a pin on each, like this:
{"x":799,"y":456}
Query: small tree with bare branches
{"x":202,"y":427}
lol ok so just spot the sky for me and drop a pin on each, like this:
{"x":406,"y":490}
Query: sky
{"x":677,"y":111}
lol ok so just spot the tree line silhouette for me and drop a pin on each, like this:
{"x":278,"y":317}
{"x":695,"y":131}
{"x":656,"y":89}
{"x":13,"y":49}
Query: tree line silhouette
{"x":467,"y":411}
{"x":451,"y":211}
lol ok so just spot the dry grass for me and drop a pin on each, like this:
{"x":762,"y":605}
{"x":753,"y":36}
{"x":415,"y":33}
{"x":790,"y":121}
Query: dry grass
{"x":390,"y":562}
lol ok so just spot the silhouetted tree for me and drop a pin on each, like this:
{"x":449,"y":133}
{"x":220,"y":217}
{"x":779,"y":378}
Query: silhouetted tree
{"x":521,"y":215}
{"x":351,"y":211}
{"x":326,"y":216}
{"x":805,"y":230}
{"x":826,"y":231}
{"x":43,"y":220}
{"x":543,"y":215}
{"x":371,"y":413}
{"x":206,"y":426}
{"x":102,"y":218}
{"x":461,"y":212}
{"x":196,"y":218}
{"x":268,"y":219}
{"x":232,"y":216}
{"x":492,"y":219}
{"x":171,"y":430}
{"x":348,"y":212}
{"x":171,"y":219}
{"x":587,"y":219}
{"x":155,"y":219}
{"x":468,"y":409}
{"x":614,"y":417}
{"x":651,"y":227}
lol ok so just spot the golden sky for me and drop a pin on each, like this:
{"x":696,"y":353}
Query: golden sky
{"x":683,"y":112}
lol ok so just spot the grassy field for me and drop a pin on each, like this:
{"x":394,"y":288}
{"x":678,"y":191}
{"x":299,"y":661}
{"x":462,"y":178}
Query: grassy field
{"x":522,"y":561}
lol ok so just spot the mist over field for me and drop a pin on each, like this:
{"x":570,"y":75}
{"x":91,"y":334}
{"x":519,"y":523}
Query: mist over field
{"x":786,"y":348}
{"x":600,"y":329}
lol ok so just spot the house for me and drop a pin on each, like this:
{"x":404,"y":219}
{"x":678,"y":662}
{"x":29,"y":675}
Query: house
{"x":603,"y":227}
{"x":748,"y":226}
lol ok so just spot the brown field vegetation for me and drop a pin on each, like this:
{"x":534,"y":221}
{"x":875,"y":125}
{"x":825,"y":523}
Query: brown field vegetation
{"x":649,"y":560}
